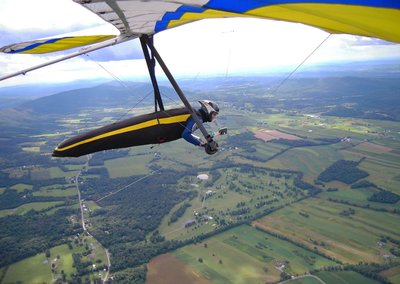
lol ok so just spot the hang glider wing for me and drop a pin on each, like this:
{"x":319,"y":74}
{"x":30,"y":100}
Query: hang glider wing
{"x":372,"y":18}
{"x":54,"y":44}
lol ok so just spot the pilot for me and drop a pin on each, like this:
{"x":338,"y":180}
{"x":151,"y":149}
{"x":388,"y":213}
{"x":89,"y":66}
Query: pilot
{"x":207,"y":113}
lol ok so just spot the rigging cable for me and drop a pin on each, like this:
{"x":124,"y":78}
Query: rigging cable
{"x":298,"y":66}
{"x":123,"y":84}
{"x":132,"y":183}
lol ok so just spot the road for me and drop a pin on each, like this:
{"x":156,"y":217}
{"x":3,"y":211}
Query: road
{"x":303,"y":276}
{"x":83,"y":220}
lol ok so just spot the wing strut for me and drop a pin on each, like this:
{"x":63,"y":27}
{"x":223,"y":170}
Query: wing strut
{"x":84,"y":50}
{"x":212,"y":146}
{"x":151,"y":64}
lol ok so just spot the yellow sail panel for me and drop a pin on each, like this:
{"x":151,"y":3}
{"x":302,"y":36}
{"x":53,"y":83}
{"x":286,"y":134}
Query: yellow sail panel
{"x":334,"y":18}
{"x":381,"y":23}
{"x":54,"y":44}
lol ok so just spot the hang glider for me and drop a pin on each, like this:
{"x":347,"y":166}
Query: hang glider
{"x":371,"y":18}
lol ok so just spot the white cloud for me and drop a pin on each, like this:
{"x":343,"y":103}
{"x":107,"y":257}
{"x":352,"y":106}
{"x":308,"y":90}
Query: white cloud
{"x":45,"y":15}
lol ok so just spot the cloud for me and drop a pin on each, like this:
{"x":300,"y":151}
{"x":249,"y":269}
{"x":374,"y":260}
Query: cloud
{"x":215,"y":46}
{"x":58,"y":16}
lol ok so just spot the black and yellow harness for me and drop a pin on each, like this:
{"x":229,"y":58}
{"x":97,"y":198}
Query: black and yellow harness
{"x":153,"y":128}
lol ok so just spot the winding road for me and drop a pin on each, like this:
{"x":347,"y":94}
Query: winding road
{"x":303,"y":276}
{"x":83,"y":221}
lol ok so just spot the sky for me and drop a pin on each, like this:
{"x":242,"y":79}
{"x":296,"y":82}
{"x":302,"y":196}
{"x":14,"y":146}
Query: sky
{"x":219,"y":46}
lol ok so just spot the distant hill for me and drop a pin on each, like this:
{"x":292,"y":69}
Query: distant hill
{"x":12,"y":96}
{"x":111,"y":94}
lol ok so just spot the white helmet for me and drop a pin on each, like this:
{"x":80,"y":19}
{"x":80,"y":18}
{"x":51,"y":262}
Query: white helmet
{"x":209,"y":107}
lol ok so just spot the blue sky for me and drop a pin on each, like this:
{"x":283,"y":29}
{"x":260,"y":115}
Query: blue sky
{"x":225,"y":46}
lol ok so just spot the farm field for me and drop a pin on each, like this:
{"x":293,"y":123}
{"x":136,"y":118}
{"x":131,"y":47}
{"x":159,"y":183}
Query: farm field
{"x":324,"y":225}
{"x":343,"y":277}
{"x":23,"y":209}
{"x":244,"y":255}
{"x":35,"y":269}
{"x":393,"y":274}
{"x":168,"y":269}
{"x":381,"y":163}
{"x":38,"y":269}
{"x":307,"y":160}
{"x":42,"y":269}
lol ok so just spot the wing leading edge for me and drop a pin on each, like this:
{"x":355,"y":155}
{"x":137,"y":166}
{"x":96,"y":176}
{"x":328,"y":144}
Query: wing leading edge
{"x":53,"y":44}
{"x":372,"y":18}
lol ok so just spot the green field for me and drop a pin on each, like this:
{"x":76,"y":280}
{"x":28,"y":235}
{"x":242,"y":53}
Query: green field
{"x":21,"y":187}
{"x":34,"y":269}
{"x":393,"y":274}
{"x":52,"y":191}
{"x":344,"y":277}
{"x":37,"y":269}
{"x":246,"y":255}
{"x":220,"y":199}
{"x":309,"y":160}
{"x":305,"y":280}
{"x":38,"y":206}
{"x":56,"y":172}
{"x":128,"y":166}
{"x":347,"y":238}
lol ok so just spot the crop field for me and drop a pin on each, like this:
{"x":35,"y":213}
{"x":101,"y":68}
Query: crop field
{"x":343,"y":277}
{"x":243,"y":255}
{"x":305,"y":280}
{"x":393,"y":274}
{"x":383,"y":167}
{"x":38,"y":268}
{"x":21,"y":187}
{"x":307,"y":160}
{"x":269,"y":135}
{"x":35,"y":269}
{"x":20,"y":210}
{"x":128,"y":166}
{"x":50,"y":191}
{"x":166,"y":268}
{"x":324,"y":225}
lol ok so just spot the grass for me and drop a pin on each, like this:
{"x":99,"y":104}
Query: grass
{"x":305,"y":280}
{"x":48,"y":191}
{"x":232,"y":187}
{"x":35,"y":269}
{"x":344,"y":277}
{"x":31,"y":149}
{"x":347,"y":238}
{"x":393,"y":274}
{"x":65,"y":261}
{"x":383,"y":166}
{"x":21,"y":187}
{"x":128,"y":166}
{"x":38,"y":206}
{"x":56,"y":172}
{"x":308,"y":160}
{"x":246,"y":255}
